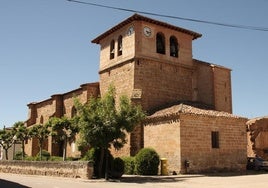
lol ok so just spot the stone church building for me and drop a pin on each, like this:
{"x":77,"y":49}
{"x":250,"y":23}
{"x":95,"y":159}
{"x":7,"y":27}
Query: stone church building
{"x":188,"y":101}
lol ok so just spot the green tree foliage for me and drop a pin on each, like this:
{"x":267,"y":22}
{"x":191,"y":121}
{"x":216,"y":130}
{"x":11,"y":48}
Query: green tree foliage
{"x":65,"y":130}
{"x":41,"y":132}
{"x":21,"y":134}
{"x":147,"y":162}
{"x":103,"y":124}
{"x":6,"y":140}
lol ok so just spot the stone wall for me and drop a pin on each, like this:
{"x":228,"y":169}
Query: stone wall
{"x":222,"y":88}
{"x":121,"y":77}
{"x":162,"y":83}
{"x":165,"y":139}
{"x":74,"y":169}
{"x":182,"y":132}
{"x":203,"y":88}
{"x":213,"y":85}
{"x":196,"y":143}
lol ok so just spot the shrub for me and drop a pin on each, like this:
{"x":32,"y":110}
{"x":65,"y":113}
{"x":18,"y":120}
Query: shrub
{"x":45,"y":155}
{"x":30,"y":158}
{"x":55,"y":158}
{"x":147,"y":162}
{"x":18,"y":155}
{"x":72,"y":159}
{"x":129,"y":165}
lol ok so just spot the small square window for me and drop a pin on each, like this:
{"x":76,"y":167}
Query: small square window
{"x":215,"y":139}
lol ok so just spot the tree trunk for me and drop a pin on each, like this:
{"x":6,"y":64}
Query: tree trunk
{"x":64,"y":149}
{"x":101,"y":162}
{"x":6,"y":152}
{"x":40,"y":148}
{"x":22,"y":148}
{"x":106,"y":164}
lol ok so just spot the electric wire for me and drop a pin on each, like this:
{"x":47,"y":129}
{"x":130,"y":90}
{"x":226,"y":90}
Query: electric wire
{"x":173,"y":17}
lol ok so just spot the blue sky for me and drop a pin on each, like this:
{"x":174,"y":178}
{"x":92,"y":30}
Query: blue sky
{"x":45,"y":47}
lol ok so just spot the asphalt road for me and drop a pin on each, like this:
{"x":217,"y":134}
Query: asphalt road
{"x":181,"y":181}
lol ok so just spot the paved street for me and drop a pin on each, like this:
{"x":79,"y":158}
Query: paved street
{"x":181,"y":181}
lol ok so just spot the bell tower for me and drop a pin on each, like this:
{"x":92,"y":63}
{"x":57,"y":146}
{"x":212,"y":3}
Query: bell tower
{"x":148,"y":60}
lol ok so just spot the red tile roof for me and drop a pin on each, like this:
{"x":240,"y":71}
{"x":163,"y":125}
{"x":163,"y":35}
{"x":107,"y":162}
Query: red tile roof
{"x":137,"y":17}
{"x":187,"y":109}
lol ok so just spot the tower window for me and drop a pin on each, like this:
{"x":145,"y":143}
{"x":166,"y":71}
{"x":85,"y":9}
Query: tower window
{"x":215,"y":139}
{"x":112,"y":50}
{"x":120,"y":46}
{"x":160,"y":43}
{"x":174,"y":49}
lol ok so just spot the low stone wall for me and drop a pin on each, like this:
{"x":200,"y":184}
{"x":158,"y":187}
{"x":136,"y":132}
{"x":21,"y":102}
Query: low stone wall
{"x":71,"y":169}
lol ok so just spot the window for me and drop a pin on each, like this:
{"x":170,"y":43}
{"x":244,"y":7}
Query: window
{"x":215,"y":139}
{"x":74,"y":112}
{"x":120,"y":46}
{"x":112,"y":50}
{"x":160,"y":43}
{"x":173,"y":42}
{"x":41,"y":120}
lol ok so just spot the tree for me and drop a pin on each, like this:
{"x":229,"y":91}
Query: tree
{"x":41,"y":132}
{"x":102,"y":124}
{"x":6,"y":140}
{"x":21,"y":133}
{"x":65,"y":130}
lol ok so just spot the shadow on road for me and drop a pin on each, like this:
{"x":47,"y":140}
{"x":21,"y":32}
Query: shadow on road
{"x":180,"y":178}
{"x":156,"y":179}
{"x":244,"y":173}
{"x":9,"y":184}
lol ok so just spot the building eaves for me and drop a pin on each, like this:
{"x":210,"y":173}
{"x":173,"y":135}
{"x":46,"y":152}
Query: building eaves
{"x":211,"y":64}
{"x":93,"y":84}
{"x":187,"y":109}
{"x":172,"y":113}
{"x":138,"y":17}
